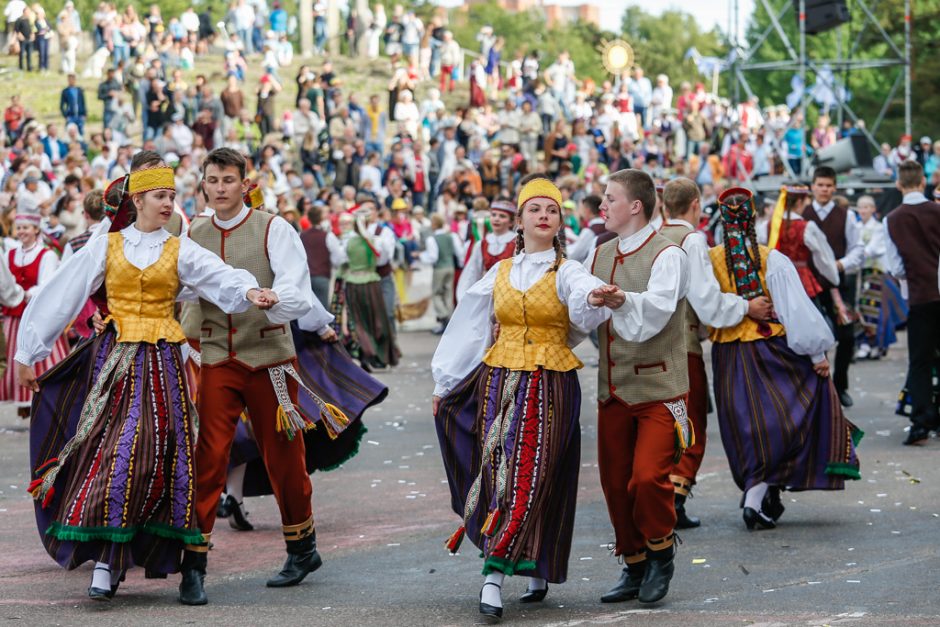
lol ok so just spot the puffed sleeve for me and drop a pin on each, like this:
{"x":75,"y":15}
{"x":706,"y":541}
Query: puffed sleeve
{"x":472,"y":270}
{"x":210,"y":278}
{"x":59,"y":301}
{"x":11,"y":293}
{"x":574,"y":283}
{"x":713,"y":307}
{"x":468,"y":335}
{"x":291,"y":273}
{"x":823,"y":257}
{"x":807,"y":331}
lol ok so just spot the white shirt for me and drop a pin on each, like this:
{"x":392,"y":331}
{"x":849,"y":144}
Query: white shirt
{"x":14,"y":10}
{"x":854,"y":249}
{"x":893,"y":262}
{"x":807,"y":330}
{"x":815,"y":240}
{"x":383,"y":242}
{"x":645,"y":314}
{"x":47,"y":266}
{"x":586,"y":242}
{"x":713,"y":307}
{"x":291,"y":275}
{"x":64,"y":295}
{"x":469,"y":333}
{"x":873,"y":237}
{"x":432,"y":251}
{"x":11,"y":294}
{"x":337,"y":251}
{"x":473,"y":270}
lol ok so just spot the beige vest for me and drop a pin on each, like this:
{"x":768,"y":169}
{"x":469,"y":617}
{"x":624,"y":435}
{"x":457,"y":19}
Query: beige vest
{"x":676,"y":233}
{"x":640,"y":372}
{"x":247,"y":338}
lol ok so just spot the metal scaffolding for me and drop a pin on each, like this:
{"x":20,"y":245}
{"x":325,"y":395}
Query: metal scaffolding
{"x":898,"y":56}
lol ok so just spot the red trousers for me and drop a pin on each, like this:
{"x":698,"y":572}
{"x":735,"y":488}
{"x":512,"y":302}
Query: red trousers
{"x":224,"y":392}
{"x":636,"y":449}
{"x":685,"y":471}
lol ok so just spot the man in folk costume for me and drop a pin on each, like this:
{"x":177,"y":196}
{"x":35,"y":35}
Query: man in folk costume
{"x":708,"y":307}
{"x":913,"y":243}
{"x":594,"y":232}
{"x":442,"y":253}
{"x":384,"y":243}
{"x":247,"y":363}
{"x":843,"y":231}
{"x":643,"y":425}
{"x":492,"y":248}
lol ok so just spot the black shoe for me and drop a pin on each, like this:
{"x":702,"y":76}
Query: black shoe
{"x":772,"y":505}
{"x":660,"y":566}
{"x":757,"y":520}
{"x":491,"y":614}
{"x":192,"y":584}
{"x":845,"y":399}
{"x":683,"y":520}
{"x":100,"y":594}
{"x":239,"y":518}
{"x":916,"y":435}
{"x":534,"y":596}
{"x":302,"y":559}
{"x":628,"y":586}
{"x":224,"y":510}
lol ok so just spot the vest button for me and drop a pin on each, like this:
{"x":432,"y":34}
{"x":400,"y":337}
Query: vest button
{"x":234,"y":331}
{"x":231,"y":354}
{"x":613,"y":388}
{"x":612,"y":364}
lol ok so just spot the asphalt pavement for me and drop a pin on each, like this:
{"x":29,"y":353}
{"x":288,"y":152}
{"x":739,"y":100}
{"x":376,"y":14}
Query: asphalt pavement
{"x":865,"y":556}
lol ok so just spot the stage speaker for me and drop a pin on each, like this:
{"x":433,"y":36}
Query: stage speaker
{"x":845,"y":154}
{"x":822,"y":15}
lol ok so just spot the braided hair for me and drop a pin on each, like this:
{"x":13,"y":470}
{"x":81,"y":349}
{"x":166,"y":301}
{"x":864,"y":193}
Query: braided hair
{"x":520,"y":242}
{"x":755,"y":247}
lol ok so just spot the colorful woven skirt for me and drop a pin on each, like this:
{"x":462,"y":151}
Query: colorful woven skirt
{"x":511,"y":443}
{"x":882,"y":309}
{"x":365,"y":307}
{"x":115,"y":423}
{"x":10,"y":389}
{"x":327,"y":370}
{"x":780,"y":422}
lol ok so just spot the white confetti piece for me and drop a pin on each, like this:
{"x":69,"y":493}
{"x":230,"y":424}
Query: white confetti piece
{"x":875,"y":511}
{"x":885,"y":433}
{"x":814,"y":583}
{"x":393,"y":544}
{"x":853,"y":581}
{"x":372,"y":442}
{"x":586,"y":558}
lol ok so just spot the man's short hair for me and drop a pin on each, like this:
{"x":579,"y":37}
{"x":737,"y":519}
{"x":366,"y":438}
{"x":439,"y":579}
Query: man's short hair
{"x":593,"y":204}
{"x":910,"y":174}
{"x":226,"y":158}
{"x":639,"y":186}
{"x":678,"y":196}
{"x":824,"y":172}
{"x":93,"y":204}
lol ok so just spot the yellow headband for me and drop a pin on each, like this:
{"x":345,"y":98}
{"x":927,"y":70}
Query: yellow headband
{"x":150,"y":179}
{"x":255,"y":197}
{"x":539,"y":188}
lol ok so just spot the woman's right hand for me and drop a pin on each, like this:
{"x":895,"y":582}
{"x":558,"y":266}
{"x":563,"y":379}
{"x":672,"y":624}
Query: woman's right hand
{"x":822,"y":368}
{"x":26,"y":377}
{"x":435,"y":404}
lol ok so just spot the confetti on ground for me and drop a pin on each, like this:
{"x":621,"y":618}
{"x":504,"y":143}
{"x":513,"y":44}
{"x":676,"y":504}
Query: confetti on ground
{"x":814,"y":583}
{"x":883,"y":433}
{"x":699,"y":560}
{"x":372,"y":442}
{"x":853,"y":581}
{"x":586,"y":558}
{"x":875,"y":511}
{"x":393,"y":544}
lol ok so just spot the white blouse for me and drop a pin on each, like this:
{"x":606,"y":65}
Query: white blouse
{"x":62,"y":298}
{"x":473,"y":270}
{"x":815,"y":240}
{"x":807,"y":330}
{"x":469,"y":333}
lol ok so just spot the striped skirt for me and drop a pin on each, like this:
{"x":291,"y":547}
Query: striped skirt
{"x":125,"y":493}
{"x":882,"y":309}
{"x":329,"y":372}
{"x":365,"y":307}
{"x":10,"y":389}
{"x":511,"y":443}
{"x":780,"y":422}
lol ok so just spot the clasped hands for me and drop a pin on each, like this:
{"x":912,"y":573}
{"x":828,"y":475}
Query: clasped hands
{"x":609,"y":296}
{"x":263,"y":298}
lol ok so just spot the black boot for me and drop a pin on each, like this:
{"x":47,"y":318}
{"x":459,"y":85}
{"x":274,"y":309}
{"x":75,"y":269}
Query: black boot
{"x":683,"y":520}
{"x":193,"y":569}
{"x":628,"y":587}
{"x":660,"y":566}
{"x":302,"y":559}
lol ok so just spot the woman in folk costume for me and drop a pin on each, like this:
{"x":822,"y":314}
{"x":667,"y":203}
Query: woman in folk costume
{"x":507,"y":412}
{"x":33,"y":266}
{"x":113,"y":431}
{"x":781,"y":422}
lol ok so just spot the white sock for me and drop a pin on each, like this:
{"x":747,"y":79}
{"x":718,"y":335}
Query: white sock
{"x":101,"y":576}
{"x":537,"y":584}
{"x":236,"y":481}
{"x":492,"y":595}
{"x":755,"y":495}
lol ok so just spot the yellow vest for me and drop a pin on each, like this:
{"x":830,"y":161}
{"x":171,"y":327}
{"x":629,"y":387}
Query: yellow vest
{"x":142,"y":301}
{"x":747,"y":329}
{"x":533,"y":326}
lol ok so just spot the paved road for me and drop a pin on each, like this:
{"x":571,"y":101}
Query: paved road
{"x":864,"y":556}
